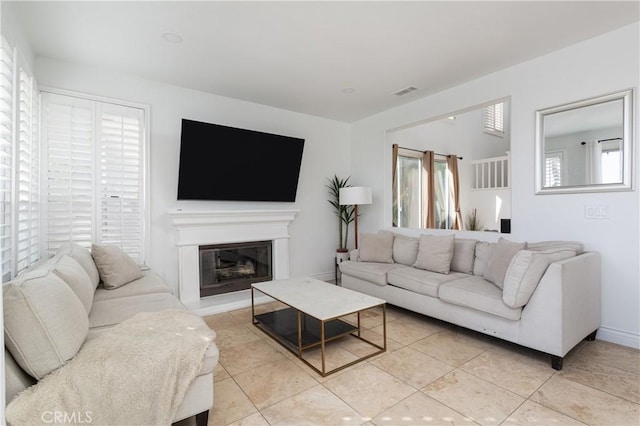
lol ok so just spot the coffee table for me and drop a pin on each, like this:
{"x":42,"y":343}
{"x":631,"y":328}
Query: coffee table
{"x":312,"y":317}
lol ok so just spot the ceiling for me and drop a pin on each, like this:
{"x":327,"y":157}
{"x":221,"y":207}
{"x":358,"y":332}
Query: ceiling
{"x":304,"y":56}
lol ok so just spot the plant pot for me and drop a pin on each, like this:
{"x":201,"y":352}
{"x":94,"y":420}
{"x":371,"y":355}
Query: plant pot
{"x":342,"y":255}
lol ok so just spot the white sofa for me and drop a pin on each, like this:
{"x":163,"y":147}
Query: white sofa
{"x":88,"y":310}
{"x":548,"y":300}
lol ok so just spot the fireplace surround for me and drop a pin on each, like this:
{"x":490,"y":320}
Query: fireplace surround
{"x":196,"y":228}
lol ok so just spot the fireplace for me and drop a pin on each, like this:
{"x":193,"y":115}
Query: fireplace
{"x":226,"y":268}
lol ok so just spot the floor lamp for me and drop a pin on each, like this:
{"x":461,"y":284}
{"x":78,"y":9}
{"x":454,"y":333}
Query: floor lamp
{"x":354,"y":196}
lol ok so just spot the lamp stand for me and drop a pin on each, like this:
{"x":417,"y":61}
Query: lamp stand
{"x":356,"y":224}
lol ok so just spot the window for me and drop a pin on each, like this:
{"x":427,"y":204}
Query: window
{"x":408,"y":207}
{"x":6,"y":155}
{"x":96,"y":172}
{"x":611,"y":161}
{"x":19,"y":164}
{"x":554,"y":168}
{"x":408,"y":212}
{"x":493,"y":119}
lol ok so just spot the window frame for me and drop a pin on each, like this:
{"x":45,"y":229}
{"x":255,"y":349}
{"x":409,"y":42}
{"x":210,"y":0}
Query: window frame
{"x":145,"y":184}
{"x":489,"y":115}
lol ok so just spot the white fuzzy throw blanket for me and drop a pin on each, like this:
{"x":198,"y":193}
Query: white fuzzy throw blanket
{"x":135,"y":374}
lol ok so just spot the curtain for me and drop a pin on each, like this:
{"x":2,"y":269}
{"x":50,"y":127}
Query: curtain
{"x":428,"y":191}
{"x":454,"y":185}
{"x":593,"y":158}
{"x":394,"y":183}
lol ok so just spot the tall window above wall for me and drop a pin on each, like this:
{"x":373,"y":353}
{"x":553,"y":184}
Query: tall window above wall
{"x":493,"y":119}
{"x":95,"y":179}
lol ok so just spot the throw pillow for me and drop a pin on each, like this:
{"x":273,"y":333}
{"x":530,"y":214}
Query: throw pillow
{"x":498,"y":263}
{"x":463,"y":255}
{"x":376,"y":247}
{"x":83,"y":257}
{"x":556,"y":245}
{"x":116,"y":268}
{"x":44,"y":322}
{"x":525,"y":271}
{"x":481,"y":258}
{"x":405,"y":250}
{"x":72,"y":273}
{"x":435,"y":253}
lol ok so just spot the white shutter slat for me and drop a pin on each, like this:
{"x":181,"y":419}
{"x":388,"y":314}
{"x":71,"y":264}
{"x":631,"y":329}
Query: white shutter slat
{"x":6,"y":126}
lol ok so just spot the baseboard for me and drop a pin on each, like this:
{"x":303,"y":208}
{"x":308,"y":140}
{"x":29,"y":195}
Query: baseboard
{"x":619,"y":337}
{"x":325,"y":277}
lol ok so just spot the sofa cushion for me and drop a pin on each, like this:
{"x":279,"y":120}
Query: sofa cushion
{"x":369,"y":271}
{"x":501,"y":256}
{"x":525,"y":271}
{"x":376,"y":247}
{"x":479,"y":294}
{"x":419,"y":280}
{"x":44,"y":322}
{"x":83,"y":257}
{"x":555,"y":245}
{"x":405,"y":250}
{"x":107,"y":313}
{"x":481,"y":258}
{"x":72,"y":273}
{"x":464,"y":251}
{"x":435,"y":253}
{"x":116,"y":268}
{"x":150,"y":282}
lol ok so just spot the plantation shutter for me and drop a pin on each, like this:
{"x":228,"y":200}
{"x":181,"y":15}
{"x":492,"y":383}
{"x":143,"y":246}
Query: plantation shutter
{"x":68,"y":135}
{"x":553,"y":170}
{"x":28,"y":174}
{"x":121,"y":177}
{"x":96,"y":173}
{"x":493,"y":121}
{"x":6,"y":144}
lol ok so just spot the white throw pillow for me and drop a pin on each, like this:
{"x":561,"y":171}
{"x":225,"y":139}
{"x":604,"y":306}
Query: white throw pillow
{"x":482,"y":256}
{"x":44,"y":322}
{"x":405,"y":250}
{"x":435,"y":253}
{"x":116,"y":268}
{"x":525,"y":271}
{"x":376,"y":247}
{"x":463,"y":255}
{"x":501,"y":256}
{"x":83,"y":257}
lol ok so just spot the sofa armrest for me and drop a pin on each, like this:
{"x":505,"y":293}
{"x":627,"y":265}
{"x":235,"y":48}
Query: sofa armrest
{"x":565,"y":307}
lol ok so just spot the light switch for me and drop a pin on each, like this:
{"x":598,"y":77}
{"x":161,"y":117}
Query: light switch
{"x":596,"y":212}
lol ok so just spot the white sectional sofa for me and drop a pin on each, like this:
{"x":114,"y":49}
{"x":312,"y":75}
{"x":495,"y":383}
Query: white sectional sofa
{"x":51,"y":312}
{"x":545,"y":295}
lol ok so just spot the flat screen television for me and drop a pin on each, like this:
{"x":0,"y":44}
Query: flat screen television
{"x":226,"y":163}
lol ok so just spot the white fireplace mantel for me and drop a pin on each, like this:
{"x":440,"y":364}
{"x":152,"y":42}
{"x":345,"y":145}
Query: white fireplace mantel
{"x":197,"y":228}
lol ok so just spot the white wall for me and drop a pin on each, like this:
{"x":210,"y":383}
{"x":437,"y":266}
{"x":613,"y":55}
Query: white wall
{"x":604,"y":64}
{"x":312,"y":233}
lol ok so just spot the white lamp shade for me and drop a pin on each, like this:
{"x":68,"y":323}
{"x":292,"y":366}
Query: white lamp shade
{"x":355,"y":195}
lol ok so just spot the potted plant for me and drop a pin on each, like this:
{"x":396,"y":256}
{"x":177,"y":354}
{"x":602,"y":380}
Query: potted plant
{"x":473,"y":223}
{"x":345,"y":215}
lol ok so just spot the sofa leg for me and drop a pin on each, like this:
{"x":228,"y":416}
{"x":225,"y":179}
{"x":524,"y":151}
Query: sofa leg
{"x":202,"y":418}
{"x":556,"y":362}
{"x":591,"y":337}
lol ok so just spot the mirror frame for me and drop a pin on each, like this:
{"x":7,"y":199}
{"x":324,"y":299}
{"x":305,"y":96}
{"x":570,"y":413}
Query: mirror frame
{"x":628,"y":141}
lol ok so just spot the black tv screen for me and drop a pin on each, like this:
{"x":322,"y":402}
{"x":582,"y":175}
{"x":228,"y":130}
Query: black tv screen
{"x":225,"y":163}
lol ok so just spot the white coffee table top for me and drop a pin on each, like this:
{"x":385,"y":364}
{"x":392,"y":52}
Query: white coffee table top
{"x":317,"y":298}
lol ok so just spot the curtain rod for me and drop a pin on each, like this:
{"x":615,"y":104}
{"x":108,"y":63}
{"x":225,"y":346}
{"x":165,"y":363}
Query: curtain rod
{"x":603,"y":140}
{"x":422,"y":152}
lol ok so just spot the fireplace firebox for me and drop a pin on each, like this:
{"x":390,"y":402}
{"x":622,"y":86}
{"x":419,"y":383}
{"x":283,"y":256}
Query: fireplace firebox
{"x":226,"y":268}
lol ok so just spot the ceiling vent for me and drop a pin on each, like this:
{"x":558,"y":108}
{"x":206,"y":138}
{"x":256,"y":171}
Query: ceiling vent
{"x":405,"y":91}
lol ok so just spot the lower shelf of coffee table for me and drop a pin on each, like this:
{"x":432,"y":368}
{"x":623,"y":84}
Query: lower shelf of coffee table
{"x":283,"y":325}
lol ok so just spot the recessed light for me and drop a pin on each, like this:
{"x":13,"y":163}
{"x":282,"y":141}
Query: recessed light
{"x":172,"y":37}
{"x":348,"y":90}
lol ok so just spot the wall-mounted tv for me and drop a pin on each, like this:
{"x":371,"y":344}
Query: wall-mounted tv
{"x":226,"y":163}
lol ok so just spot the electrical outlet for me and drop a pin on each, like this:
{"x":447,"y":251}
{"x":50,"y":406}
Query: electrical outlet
{"x":596,"y":212}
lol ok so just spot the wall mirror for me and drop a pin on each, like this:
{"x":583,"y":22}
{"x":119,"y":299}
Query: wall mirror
{"x":585,"y":146}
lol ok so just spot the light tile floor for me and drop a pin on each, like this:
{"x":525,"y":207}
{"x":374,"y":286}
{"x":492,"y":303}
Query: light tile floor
{"x":432,"y":373}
